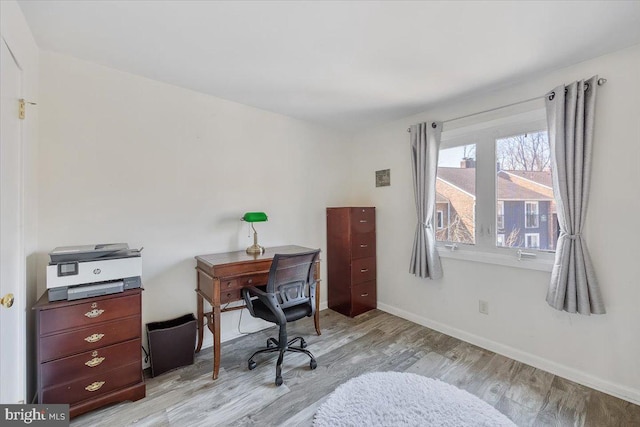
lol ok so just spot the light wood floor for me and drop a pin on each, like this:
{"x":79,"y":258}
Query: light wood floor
{"x":374,"y":341}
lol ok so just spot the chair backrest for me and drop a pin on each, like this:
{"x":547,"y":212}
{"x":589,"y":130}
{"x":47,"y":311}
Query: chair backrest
{"x":292,"y":276}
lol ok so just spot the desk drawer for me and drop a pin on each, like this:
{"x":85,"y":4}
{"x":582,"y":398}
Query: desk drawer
{"x":230,"y":295}
{"x":87,"y":339}
{"x":88,"y":313}
{"x":93,"y":386}
{"x":363,"y":270}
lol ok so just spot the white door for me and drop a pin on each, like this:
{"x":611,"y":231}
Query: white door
{"x":12,"y":265}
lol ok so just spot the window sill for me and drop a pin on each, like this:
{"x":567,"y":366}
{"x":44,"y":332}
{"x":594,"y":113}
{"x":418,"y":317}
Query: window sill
{"x":508,"y":260}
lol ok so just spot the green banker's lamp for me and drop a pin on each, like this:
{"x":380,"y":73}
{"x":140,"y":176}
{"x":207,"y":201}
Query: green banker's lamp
{"x":252,"y":217}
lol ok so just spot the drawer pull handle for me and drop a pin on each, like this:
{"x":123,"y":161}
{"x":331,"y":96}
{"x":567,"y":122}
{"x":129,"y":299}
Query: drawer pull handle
{"x":94,"y":362}
{"x":364,"y":295}
{"x":94,"y":386}
{"x":94,"y":338}
{"x":363,"y":220}
{"x":93,"y":313}
{"x":364,"y":246}
{"x":250,"y":281}
{"x":364,"y":270}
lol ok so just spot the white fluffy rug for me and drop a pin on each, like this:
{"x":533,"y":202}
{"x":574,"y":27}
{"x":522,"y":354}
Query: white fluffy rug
{"x":403,"y":399}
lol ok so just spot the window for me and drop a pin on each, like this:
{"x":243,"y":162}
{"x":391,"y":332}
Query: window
{"x":500,"y":216}
{"x":440,"y":223}
{"x":455,"y":187}
{"x":494,"y":184}
{"x":532,"y":240}
{"x":531,"y":215}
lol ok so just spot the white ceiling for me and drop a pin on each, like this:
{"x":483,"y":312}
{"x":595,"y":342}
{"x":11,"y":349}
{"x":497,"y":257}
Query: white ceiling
{"x":346,"y":65}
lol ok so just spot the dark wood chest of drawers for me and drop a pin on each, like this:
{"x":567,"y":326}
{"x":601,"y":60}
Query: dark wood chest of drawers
{"x":89,"y":351}
{"x":351,"y":259}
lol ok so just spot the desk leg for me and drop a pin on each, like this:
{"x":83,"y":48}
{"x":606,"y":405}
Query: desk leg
{"x":316,"y":316}
{"x":216,"y":341}
{"x":200,"y":323}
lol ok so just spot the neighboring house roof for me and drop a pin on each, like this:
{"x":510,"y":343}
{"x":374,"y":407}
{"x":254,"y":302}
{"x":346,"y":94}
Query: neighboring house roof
{"x":465,"y":179}
{"x":539,"y":177}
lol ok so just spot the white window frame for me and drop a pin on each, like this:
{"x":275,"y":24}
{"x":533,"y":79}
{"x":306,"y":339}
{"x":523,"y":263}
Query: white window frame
{"x":484,"y":133}
{"x":500,"y":211}
{"x":537,"y":213}
{"x":499,"y":238}
{"x":526,"y":240}
{"x":439,"y":220}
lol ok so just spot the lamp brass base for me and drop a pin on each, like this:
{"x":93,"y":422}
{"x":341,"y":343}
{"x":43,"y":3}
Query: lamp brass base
{"x":255,"y":250}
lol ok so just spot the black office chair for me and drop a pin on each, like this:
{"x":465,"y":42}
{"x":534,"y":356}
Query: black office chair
{"x":290,"y":295}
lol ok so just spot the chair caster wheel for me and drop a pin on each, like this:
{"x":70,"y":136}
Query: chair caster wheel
{"x":303,"y":344}
{"x":278,"y":381}
{"x":269,"y":344}
{"x":313,"y":364}
{"x":251,"y":365}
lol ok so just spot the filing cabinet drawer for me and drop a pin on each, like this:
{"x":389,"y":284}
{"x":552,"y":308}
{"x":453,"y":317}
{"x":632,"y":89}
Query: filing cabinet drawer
{"x":89,"y":363}
{"x":363,"y":245}
{"x":88,"y":313}
{"x":93,"y":386}
{"x":362,"y":270}
{"x":87,"y":339}
{"x":363,"y":220}
{"x":363,"y":297}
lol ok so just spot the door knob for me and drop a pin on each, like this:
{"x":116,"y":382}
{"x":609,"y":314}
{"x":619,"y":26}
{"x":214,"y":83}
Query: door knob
{"x":7,"y":300}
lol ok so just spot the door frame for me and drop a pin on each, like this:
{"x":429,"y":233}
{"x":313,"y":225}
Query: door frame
{"x":20,"y":290}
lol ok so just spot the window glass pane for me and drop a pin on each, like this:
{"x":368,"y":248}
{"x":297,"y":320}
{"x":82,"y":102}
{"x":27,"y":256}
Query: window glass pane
{"x":456,"y":194}
{"x":526,"y":213}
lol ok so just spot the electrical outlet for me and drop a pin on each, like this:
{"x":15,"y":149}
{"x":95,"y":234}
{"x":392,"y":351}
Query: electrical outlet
{"x":483,"y":307}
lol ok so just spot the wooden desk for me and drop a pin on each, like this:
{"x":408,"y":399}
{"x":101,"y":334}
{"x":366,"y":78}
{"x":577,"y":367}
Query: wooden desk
{"x":221,"y":278}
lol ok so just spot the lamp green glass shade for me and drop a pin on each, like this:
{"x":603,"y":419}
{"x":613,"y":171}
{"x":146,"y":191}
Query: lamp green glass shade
{"x":252,"y":217}
{"x":255,"y":217}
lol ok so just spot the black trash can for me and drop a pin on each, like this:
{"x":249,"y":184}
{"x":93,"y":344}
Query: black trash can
{"x":171,"y":343}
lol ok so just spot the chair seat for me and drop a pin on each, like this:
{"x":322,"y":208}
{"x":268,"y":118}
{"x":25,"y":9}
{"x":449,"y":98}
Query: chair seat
{"x":292,"y":313}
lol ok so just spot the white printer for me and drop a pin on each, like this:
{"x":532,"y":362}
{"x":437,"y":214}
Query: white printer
{"x":85,"y":271}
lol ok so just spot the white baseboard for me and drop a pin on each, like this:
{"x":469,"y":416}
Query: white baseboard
{"x":617,"y":390}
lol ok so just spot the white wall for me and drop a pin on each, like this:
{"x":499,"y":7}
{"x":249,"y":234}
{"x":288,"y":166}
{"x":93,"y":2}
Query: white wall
{"x":128,"y":159}
{"x":600,"y":351}
{"x":17,"y":35}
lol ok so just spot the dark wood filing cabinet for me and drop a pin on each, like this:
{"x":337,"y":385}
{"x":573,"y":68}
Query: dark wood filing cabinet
{"x":89,"y":351}
{"x":351,"y":259}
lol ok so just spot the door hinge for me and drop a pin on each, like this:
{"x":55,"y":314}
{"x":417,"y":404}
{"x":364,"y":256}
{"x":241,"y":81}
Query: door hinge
{"x":21,"y":108}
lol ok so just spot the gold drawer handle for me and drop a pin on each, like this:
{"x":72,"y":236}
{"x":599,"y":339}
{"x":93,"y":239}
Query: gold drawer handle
{"x":363,"y":220}
{"x":94,"y":338}
{"x":93,"y":313}
{"x":94,"y":362}
{"x":364,"y":270}
{"x":364,"y":295}
{"x":94,"y":386}
{"x":364,"y":246}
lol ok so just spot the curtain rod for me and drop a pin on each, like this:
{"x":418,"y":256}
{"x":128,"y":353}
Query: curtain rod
{"x":601,"y":81}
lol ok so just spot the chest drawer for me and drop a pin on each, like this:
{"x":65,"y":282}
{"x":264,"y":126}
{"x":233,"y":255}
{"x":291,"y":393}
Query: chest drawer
{"x":363,"y":270}
{"x":93,"y":386}
{"x":90,"y":363}
{"x":88,"y":313}
{"x":90,"y":338}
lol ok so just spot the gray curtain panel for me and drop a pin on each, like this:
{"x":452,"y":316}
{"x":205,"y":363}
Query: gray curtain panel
{"x":570,"y":117}
{"x":425,"y":143}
